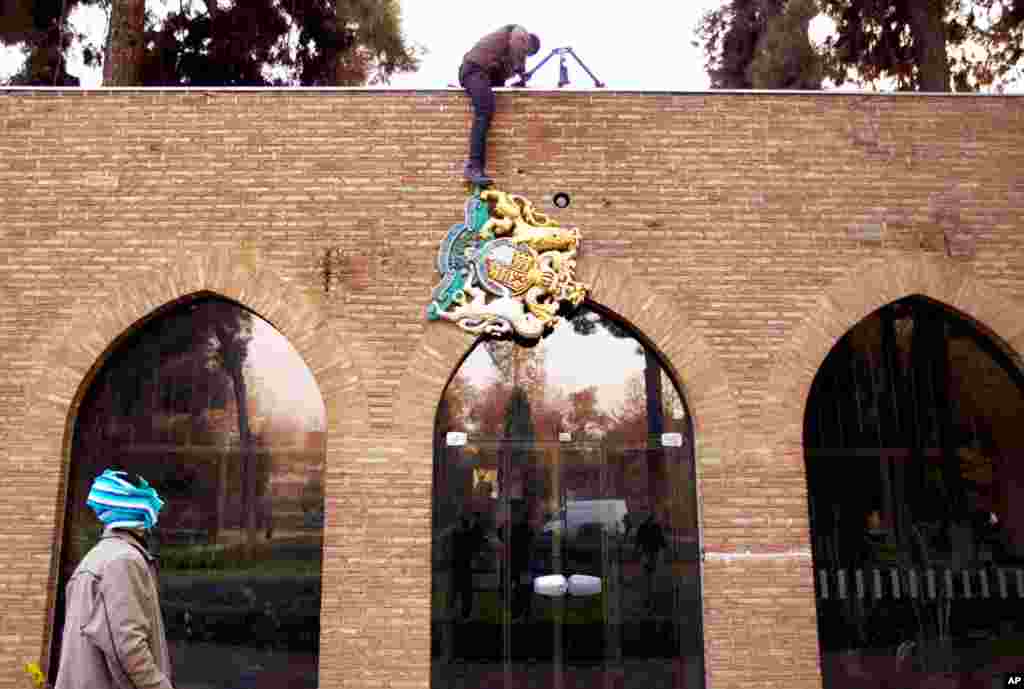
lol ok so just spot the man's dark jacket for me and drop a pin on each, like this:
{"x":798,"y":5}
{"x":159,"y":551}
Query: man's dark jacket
{"x":501,"y":54}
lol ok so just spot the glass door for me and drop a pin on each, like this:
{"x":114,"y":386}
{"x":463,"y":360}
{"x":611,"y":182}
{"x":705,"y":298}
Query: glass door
{"x":565,"y":565}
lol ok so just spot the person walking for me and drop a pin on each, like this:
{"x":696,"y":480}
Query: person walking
{"x":650,"y":540}
{"x":113,"y":631}
{"x":491,"y":62}
{"x":467,"y":541}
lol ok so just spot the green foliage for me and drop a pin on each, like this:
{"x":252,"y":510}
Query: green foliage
{"x":518,"y":421}
{"x":197,"y":557}
{"x":245,"y":43}
{"x":265,"y":42}
{"x":22,"y":20}
{"x":784,"y":57}
{"x":873,"y":40}
{"x":729,"y":36}
{"x":43,"y":30}
{"x":221,"y":560}
{"x":964,"y":45}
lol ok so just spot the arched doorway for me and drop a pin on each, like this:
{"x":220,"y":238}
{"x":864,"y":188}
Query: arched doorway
{"x":565,"y":521}
{"x":913,"y":444}
{"x":213,"y":406}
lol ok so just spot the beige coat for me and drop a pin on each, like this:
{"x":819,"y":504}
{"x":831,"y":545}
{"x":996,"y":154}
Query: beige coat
{"x":113,"y":631}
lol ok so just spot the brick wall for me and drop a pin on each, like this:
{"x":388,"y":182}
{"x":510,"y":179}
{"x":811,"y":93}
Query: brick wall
{"x":741,"y":233}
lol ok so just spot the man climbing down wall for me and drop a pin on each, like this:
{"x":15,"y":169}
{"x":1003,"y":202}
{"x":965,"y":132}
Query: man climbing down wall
{"x":491,"y":62}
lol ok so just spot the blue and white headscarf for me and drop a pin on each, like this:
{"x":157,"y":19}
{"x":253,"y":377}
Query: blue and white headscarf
{"x":119,"y":504}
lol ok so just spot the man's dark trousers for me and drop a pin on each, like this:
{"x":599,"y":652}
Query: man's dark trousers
{"x":478,"y":85}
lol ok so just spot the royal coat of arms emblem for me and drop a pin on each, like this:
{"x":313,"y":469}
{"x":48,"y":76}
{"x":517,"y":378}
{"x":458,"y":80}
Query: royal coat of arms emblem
{"x":506,"y":269}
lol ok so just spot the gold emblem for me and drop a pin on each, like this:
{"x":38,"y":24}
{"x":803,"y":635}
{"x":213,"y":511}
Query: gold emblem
{"x":507,"y":268}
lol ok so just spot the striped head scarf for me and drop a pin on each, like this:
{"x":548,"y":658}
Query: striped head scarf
{"x":120,"y":504}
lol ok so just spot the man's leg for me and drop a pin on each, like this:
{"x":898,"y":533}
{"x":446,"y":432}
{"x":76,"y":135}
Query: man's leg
{"x":478,"y":86}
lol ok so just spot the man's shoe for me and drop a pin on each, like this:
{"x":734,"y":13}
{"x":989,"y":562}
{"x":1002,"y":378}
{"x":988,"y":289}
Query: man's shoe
{"x":475,"y":174}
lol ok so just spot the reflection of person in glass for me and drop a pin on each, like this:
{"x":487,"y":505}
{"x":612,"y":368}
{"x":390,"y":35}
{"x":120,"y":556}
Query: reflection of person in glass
{"x":650,"y":540}
{"x":877,"y":547}
{"x":879,"y":551}
{"x":113,"y":630}
{"x":521,"y":546}
{"x":467,"y":539}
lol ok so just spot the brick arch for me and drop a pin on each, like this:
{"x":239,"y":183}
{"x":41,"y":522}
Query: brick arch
{"x":864,"y":289}
{"x":657,"y":318}
{"x":73,"y":354}
{"x":845,"y":302}
{"x":661,"y":320}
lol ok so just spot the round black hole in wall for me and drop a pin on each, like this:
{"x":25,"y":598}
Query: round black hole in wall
{"x":561,"y":200}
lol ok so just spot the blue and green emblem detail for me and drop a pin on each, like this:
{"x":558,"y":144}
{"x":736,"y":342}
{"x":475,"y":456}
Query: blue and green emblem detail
{"x":452,"y":262}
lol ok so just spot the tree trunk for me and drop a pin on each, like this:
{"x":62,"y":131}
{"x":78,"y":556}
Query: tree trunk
{"x":929,"y":33}
{"x":655,"y":426}
{"x":222,"y":493}
{"x":122,"y":64}
{"x":345,"y":65}
{"x":247,"y":463}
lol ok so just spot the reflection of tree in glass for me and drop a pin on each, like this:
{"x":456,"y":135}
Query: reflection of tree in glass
{"x":519,"y":436}
{"x":459,"y":398}
{"x":518,"y":366}
{"x":587,"y":322}
{"x":170,"y":384}
{"x":582,"y":417}
{"x":228,"y":331}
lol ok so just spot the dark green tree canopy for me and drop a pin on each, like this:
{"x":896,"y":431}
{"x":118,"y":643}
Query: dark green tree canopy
{"x":729,"y":36}
{"x":244,"y":42}
{"x":925,"y":45}
{"x":266,"y":42}
{"x":41,"y":25}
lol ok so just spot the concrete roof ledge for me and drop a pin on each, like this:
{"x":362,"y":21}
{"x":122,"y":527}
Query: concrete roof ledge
{"x":531,"y":91}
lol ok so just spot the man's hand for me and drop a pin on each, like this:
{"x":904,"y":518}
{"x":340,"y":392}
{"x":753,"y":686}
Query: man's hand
{"x":521,"y":82}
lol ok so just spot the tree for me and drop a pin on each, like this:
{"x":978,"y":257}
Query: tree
{"x":244,"y":42}
{"x":522,"y":367}
{"x":587,"y":322}
{"x":925,"y":45}
{"x":518,"y":441}
{"x":583,"y":416}
{"x":228,"y":331}
{"x":179,"y":363}
{"x":42,"y":27}
{"x":784,"y":57}
{"x":250,"y":42}
{"x":729,"y":36}
{"x":125,"y":48}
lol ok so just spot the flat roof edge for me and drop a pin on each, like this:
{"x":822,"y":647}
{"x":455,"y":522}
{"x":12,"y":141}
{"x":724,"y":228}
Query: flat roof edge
{"x":583,"y":91}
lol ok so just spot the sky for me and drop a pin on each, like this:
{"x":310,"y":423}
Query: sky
{"x":645,"y":48}
{"x":283,"y":383}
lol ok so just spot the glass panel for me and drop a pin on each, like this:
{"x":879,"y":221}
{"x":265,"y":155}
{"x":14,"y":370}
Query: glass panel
{"x":240,"y":537}
{"x":913,"y":436}
{"x":564,"y":473}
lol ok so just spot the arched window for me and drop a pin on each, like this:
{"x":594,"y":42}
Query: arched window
{"x":914,"y":441}
{"x":213,"y":406}
{"x":565,"y":526}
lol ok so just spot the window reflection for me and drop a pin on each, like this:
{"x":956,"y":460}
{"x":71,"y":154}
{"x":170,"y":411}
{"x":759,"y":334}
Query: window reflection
{"x":913,"y":440}
{"x":220,"y":414}
{"x":565,"y":533}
